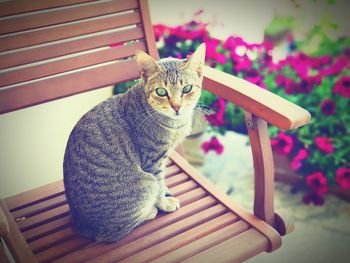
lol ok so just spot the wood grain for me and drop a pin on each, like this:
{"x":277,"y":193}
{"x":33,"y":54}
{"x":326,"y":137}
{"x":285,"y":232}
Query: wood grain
{"x":265,"y":229}
{"x":264,"y":183}
{"x":22,"y":6}
{"x":74,"y":13}
{"x":65,"y":32}
{"x":15,"y":241}
{"x":68,"y":64}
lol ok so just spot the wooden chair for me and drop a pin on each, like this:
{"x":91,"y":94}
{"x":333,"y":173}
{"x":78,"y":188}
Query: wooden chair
{"x":209,"y":227}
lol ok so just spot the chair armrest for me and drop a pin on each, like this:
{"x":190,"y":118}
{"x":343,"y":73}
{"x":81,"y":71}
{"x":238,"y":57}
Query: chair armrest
{"x":260,"y":102}
{"x":4,"y":226}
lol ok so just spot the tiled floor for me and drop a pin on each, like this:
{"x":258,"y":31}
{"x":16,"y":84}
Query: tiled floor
{"x":322,"y":234}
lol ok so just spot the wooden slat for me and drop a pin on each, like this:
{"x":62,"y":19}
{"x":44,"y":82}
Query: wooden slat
{"x":184,"y":188}
{"x":182,"y":239}
{"x":32,"y":196}
{"x":44,"y":217}
{"x":160,"y":235}
{"x":15,"y":241}
{"x":46,"y":222}
{"x":68,"y":47}
{"x":203,"y":243}
{"x":22,"y":6}
{"x":40,"y":207}
{"x":177,"y":179}
{"x":68,"y":234}
{"x":64,"y":65}
{"x":52,"y":239}
{"x":63,"y":86}
{"x":273,"y":236}
{"x":53,"y":17}
{"x":67,"y":31}
{"x":46,"y":229}
{"x":147,"y":228}
{"x":172,"y":170}
{"x":39,"y":194}
{"x":169,"y":162}
{"x":235,"y":249}
{"x":63,"y":249}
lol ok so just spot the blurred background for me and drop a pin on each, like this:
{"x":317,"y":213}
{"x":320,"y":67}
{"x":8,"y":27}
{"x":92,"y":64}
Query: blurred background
{"x":299,"y":50}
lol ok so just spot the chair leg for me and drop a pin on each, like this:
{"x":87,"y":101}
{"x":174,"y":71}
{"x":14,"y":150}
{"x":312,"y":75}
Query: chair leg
{"x":263,"y":168}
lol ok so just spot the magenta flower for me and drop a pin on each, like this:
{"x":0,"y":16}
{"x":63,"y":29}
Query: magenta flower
{"x":213,"y":145}
{"x":297,"y":161}
{"x":318,"y":183}
{"x":243,"y":63}
{"x":328,"y":107}
{"x":313,"y":198}
{"x":342,"y":177}
{"x":324,"y":144}
{"x":217,"y":119}
{"x":339,"y":64}
{"x":282,"y":144}
{"x":342,"y":86}
{"x":159,"y":30}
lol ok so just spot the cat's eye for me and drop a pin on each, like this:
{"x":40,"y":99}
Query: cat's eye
{"x":161,"y":92}
{"x":187,"y":89}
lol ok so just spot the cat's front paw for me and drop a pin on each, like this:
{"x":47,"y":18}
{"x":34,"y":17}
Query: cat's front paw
{"x":169,"y":204}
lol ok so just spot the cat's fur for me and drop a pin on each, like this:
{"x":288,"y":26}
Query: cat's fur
{"x":115,"y":156}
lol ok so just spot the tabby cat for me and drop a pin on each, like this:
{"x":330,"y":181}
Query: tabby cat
{"x":115,"y":156}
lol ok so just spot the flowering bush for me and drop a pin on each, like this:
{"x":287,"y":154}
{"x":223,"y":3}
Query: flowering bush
{"x":319,"y":82}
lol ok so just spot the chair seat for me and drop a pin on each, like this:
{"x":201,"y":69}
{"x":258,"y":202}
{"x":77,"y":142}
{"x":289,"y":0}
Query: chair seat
{"x":207,"y":228}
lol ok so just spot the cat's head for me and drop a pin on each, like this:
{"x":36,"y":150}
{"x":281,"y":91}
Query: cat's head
{"x":173,"y":86}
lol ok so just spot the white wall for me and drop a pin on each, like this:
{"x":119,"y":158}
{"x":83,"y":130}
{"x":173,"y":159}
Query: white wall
{"x":33,"y":141}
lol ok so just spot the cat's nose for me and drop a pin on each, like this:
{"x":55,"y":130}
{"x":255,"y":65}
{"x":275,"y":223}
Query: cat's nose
{"x":176,"y":108}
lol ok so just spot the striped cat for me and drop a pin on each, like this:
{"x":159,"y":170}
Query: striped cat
{"x":115,"y":157}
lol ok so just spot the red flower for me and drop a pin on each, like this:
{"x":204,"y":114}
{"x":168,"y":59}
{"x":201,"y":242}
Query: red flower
{"x":211,"y":52}
{"x":342,"y":177}
{"x":296,"y":163}
{"x":328,"y":107}
{"x":324,"y":144}
{"x":213,"y":145}
{"x":313,"y":198}
{"x":336,"y":67}
{"x":318,"y":183}
{"x":342,"y":86}
{"x":282,"y":143}
{"x":217,"y":119}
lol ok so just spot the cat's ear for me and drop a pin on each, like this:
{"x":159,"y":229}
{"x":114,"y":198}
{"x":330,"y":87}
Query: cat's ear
{"x":197,"y":59}
{"x":147,"y":65}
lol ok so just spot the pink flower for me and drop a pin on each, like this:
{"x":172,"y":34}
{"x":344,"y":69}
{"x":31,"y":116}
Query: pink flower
{"x":116,"y":44}
{"x":213,"y":145}
{"x":342,"y":86}
{"x":211,"y":51}
{"x":243,"y":63}
{"x":297,"y":161}
{"x":342,"y":177}
{"x":217,"y":119}
{"x":313,"y":198}
{"x":324,"y":144}
{"x":159,"y":30}
{"x":339,"y":64}
{"x":328,"y":107}
{"x":318,"y":183}
{"x":282,"y":143}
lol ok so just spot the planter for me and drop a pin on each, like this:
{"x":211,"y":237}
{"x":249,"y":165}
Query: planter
{"x":284,"y":173}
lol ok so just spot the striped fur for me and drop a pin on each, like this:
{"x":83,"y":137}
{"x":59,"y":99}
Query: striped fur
{"x":115,"y":155}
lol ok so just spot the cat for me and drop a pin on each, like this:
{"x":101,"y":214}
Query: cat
{"x":115,"y":156}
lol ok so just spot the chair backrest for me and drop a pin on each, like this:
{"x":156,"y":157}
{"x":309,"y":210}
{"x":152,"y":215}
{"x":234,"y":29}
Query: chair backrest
{"x":51,"y":49}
